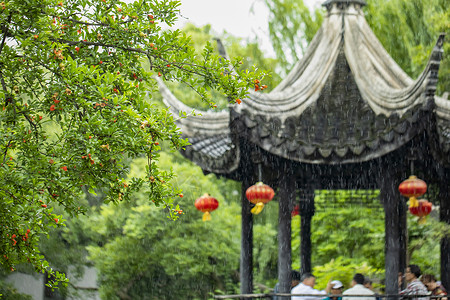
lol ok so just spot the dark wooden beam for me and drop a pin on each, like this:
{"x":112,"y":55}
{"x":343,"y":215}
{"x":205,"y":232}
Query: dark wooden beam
{"x":286,"y":198}
{"x":246,"y":260}
{"x":392,"y":202}
{"x":307,"y":210}
{"x":444,"y":216}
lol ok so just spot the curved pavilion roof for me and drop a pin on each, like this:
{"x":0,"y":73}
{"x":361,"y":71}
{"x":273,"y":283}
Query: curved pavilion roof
{"x":345,"y":101}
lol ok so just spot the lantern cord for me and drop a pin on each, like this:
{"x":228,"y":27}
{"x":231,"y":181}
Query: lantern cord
{"x":411,"y":165}
{"x":258,"y":208}
{"x":206,"y":216}
{"x":259,"y":172}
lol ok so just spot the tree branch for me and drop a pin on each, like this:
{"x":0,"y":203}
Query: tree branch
{"x":5,"y":32}
{"x":101,"y":45}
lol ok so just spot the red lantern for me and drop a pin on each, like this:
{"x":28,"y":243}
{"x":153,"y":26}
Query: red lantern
{"x":295,"y":211}
{"x":412,"y":188}
{"x":422,"y":210}
{"x":206,"y":204}
{"x":259,"y":194}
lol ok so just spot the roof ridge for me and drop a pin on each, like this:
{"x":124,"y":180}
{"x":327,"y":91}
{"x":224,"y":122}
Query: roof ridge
{"x":329,"y":3}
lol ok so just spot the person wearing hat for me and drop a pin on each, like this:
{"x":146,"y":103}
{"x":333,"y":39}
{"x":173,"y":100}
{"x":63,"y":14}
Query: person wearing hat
{"x":336,"y":289}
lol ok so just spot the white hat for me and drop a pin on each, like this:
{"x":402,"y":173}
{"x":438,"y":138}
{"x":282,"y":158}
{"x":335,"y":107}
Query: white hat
{"x":336,"y":284}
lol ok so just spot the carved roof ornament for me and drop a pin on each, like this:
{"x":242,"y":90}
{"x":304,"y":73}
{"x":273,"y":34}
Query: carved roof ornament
{"x":343,"y":3}
{"x":345,"y":101}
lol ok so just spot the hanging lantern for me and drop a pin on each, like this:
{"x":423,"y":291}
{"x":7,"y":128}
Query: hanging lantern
{"x":412,"y":188}
{"x":295,"y":211}
{"x":259,"y":194}
{"x":206,"y":204}
{"x":422,"y":210}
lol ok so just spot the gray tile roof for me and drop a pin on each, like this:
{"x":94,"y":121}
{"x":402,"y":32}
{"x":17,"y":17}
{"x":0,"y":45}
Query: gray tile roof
{"x":345,"y":101}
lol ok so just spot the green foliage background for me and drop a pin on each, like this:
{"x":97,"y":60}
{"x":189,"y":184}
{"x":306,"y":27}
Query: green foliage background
{"x":141,"y":254}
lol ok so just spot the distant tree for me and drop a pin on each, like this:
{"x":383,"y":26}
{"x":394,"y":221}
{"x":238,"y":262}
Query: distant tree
{"x":291,"y":27}
{"x":7,"y":292}
{"x":408,"y":29}
{"x":343,"y":269}
{"x":344,"y":231}
{"x":423,"y":242}
{"x":123,"y":241}
{"x":74,"y":108}
{"x":142,"y":255}
{"x":248,"y":52}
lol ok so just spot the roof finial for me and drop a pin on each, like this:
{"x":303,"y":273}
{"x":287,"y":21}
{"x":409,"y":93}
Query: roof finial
{"x":328,"y":3}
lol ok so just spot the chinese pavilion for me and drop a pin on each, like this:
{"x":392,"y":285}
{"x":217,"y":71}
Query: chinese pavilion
{"x":346,"y":117}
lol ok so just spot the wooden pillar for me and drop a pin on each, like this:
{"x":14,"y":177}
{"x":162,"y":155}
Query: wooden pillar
{"x":246,"y":260}
{"x":286,"y":197}
{"x":391,"y":200}
{"x":307,"y":210}
{"x":403,"y":236}
{"x":444,"y":216}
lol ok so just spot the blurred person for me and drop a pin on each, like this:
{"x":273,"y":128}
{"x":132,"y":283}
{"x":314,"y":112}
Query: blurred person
{"x":368,"y":284}
{"x":415,"y":286}
{"x":439,"y":283}
{"x":307,"y":287}
{"x":401,"y":282}
{"x":295,"y":280}
{"x":336,"y":289}
{"x":358,"y":288}
{"x":433,"y":286}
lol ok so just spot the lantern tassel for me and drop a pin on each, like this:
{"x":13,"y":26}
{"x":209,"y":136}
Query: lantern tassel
{"x":413,"y":202}
{"x":258,"y":208}
{"x":422,"y":220}
{"x":206,"y":216}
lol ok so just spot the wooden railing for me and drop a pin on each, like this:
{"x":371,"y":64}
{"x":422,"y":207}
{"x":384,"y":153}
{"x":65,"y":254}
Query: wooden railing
{"x":285,"y":296}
